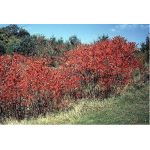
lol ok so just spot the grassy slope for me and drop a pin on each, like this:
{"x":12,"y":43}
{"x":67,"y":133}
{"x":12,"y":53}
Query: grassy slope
{"x":132,"y":107}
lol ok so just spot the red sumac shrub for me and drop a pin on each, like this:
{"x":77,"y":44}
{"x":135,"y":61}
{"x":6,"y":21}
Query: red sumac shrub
{"x":110,"y":63}
{"x":29,"y":84}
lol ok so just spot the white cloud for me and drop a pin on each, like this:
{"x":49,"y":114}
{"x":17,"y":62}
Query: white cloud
{"x":123,"y":26}
{"x":132,"y":26}
{"x":126,"y":26}
{"x":113,"y":30}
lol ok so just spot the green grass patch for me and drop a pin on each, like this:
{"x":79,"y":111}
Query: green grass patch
{"x":132,"y":107}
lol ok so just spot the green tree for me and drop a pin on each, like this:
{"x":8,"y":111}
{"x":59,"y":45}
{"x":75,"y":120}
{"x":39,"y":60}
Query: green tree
{"x":145,"y":48}
{"x":13,"y":29}
{"x":2,"y":47}
{"x":60,"y":41}
{"x":25,"y":45}
{"x":74,"y":41}
{"x":23,"y":32}
{"x":102,"y":38}
{"x":4,"y":39}
{"x":11,"y":46}
{"x":10,"y":33}
{"x":53,"y":40}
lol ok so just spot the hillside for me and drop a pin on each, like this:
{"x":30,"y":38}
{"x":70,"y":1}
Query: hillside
{"x":49,"y":81}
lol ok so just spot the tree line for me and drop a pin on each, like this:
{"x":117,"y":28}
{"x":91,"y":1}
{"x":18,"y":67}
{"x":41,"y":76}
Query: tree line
{"x":16,"y":39}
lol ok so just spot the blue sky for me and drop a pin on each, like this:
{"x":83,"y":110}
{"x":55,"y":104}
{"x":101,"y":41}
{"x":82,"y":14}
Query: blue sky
{"x":87,"y":33}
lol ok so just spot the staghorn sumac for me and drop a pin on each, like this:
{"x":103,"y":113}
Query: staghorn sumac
{"x":30,"y":82}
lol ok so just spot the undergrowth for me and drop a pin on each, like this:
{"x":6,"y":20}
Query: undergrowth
{"x":132,"y":107}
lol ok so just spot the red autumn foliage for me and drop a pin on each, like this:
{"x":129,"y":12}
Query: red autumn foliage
{"x":109,"y":63}
{"x":31,"y":82}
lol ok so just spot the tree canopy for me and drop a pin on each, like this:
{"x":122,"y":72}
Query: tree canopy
{"x":145,"y":48}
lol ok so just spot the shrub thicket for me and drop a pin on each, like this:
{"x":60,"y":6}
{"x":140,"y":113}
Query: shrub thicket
{"x":30,"y":86}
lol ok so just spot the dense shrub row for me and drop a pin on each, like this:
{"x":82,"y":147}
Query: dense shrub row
{"x":30,"y":86}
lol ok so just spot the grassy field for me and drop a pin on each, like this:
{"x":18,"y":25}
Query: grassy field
{"x":132,"y":107}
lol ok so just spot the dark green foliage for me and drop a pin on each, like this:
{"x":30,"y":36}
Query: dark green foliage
{"x":13,"y":29}
{"x":2,"y":47}
{"x":8,"y":35}
{"x":16,"y":31}
{"x":16,"y":39}
{"x":4,"y":39}
{"x":25,"y":46}
{"x":11,"y":46}
{"x":68,"y":45}
{"x":60,"y":41}
{"x":102,"y":38}
{"x":53,"y":40}
{"x":145,"y":48}
{"x":23,"y":32}
{"x":74,"y":41}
